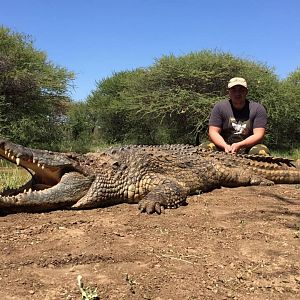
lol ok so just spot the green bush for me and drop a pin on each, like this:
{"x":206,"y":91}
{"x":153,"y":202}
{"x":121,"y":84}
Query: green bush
{"x":33,"y":92}
{"x":170,"y":101}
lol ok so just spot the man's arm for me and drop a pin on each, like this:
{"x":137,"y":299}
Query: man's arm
{"x":215,"y":136}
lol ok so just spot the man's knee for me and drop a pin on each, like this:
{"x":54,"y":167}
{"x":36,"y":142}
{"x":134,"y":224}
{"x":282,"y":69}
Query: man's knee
{"x":260,"y":149}
{"x":209,"y":146}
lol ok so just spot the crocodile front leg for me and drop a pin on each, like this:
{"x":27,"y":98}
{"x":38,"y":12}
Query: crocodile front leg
{"x":167,"y":194}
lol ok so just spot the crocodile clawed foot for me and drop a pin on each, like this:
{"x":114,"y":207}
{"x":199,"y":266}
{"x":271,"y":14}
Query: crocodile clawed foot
{"x":150,"y":206}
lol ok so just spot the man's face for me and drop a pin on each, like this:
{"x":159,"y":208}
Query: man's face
{"x":238,"y":94}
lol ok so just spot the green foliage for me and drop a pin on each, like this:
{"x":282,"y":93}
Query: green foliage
{"x":293,"y":153}
{"x":170,"y":101}
{"x":33,"y":92}
{"x":79,"y":131}
{"x":87,"y":293}
{"x":284,"y":113}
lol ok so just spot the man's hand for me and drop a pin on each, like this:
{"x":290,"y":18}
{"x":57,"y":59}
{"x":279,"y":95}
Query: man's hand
{"x":232,"y":149}
{"x":235,"y":147}
{"x":228,"y":148}
{"x":250,"y":141}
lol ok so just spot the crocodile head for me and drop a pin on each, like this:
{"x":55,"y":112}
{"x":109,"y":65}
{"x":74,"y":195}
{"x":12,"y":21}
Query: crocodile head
{"x":55,"y":178}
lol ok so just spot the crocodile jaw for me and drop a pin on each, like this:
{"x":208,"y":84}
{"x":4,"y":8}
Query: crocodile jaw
{"x":54,"y":183}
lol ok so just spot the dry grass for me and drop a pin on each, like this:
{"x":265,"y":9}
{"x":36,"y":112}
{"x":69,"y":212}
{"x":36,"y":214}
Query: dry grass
{"x":12,"y":176}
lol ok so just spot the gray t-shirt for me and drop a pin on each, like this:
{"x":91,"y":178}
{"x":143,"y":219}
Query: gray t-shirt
{"x":236,"y":124}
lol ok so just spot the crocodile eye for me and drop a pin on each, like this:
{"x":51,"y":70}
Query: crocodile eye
{"x":116,"y":163}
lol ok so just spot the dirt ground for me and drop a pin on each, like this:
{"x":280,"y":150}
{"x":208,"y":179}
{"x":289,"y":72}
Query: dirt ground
{"x":241,"y":243}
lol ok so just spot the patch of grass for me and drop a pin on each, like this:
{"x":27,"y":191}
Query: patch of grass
{"x":293,"y":153}
{"x":87,"y":293}
{"x":131,"y":283}
{"x":297,"y":230}
{"x":12,"y":176}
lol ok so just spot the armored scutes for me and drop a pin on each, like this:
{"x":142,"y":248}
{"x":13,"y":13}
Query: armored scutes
{"x":155,"y":177}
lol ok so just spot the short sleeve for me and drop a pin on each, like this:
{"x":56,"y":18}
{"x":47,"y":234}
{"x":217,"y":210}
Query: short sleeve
{"x":215,"y":118}
{"x":261,"y":118}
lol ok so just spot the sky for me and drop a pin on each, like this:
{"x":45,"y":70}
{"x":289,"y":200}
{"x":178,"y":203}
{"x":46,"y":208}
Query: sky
{"x":95,"y":39}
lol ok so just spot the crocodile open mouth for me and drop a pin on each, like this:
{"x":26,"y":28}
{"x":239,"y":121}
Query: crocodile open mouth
{"x":54,"y":182}
{"x":43,"y":176}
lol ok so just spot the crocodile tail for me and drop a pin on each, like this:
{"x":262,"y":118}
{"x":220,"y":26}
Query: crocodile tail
{"x":279,"y":174}
{"x":270,"y":159}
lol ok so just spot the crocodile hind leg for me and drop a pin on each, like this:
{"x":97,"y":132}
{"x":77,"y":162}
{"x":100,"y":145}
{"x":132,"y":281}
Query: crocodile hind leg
{"x":234,"y":177}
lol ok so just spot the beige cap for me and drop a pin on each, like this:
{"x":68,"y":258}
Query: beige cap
{"x":237,"y":81}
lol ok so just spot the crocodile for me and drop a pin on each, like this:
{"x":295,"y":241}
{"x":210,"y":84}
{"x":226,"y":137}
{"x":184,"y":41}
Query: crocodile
{"x":154,"y":177}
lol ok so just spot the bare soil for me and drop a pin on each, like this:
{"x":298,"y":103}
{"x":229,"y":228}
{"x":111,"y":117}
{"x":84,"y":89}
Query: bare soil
{"x":241,"y":243}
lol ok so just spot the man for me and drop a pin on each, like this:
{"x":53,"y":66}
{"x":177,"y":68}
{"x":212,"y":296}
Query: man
{"x":238,"y":125}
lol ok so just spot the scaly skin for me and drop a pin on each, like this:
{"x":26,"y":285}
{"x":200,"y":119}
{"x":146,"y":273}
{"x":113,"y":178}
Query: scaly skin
{"x":155,"y":177}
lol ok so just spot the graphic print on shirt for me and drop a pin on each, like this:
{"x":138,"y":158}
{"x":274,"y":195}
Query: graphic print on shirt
{"x":239,"y":130}
{"x":240,"y":127}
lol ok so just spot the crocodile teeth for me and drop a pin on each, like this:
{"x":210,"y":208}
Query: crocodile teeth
{"x":18,"y":161}
{"x":40,"y":165}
